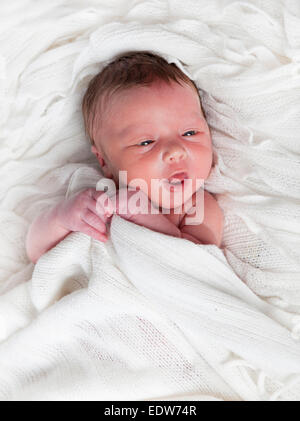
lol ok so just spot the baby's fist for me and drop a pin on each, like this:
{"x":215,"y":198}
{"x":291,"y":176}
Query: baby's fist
{"x":83,"y":213}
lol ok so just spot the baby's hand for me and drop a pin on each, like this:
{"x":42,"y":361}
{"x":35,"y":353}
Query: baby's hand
{"x":83,"y":213}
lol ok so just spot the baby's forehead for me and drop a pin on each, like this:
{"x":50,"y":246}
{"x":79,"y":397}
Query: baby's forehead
{"x":158,"y":93}
{"x":141,"y":101}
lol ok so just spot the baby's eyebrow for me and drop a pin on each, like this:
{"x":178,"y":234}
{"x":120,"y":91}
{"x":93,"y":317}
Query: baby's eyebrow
{"x":128,"y":128}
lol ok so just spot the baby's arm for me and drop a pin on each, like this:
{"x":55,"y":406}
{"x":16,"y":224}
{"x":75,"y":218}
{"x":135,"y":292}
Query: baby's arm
{"x":211,"y":229}
{"x":77,"y":213}
{"x":155,"y":222}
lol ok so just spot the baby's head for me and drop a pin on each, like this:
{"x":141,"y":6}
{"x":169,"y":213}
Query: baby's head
{"x":143,"y":115}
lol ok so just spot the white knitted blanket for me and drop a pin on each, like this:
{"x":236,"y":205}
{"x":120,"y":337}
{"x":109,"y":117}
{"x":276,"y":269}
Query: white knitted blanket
{"x":148,"y":316}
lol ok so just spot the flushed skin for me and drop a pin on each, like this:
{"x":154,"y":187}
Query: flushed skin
{"x":152,"y":131}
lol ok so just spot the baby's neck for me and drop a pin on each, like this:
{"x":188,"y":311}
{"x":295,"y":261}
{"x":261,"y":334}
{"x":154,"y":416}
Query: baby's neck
{"x":174,"y":215}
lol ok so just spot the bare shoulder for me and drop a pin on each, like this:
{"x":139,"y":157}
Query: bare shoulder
{"x":210,"y":231}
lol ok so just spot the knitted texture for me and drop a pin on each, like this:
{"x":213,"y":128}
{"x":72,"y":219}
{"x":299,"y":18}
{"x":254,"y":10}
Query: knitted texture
{"x":140,"y":318}
{"x":245,"y":59}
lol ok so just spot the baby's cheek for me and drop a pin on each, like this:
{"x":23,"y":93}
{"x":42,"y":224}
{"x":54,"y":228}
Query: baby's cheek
{"x":202,"y":170}
{"x":149,"y":190}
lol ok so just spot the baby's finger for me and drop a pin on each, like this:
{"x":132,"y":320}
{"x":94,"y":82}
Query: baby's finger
{"x":88,"y":230}
{"x":104,"y":205}
{"x":97,"y":210}
{"x":93,"y":220}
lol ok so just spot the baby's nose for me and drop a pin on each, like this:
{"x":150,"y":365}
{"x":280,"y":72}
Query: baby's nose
{"x":174,"y":153}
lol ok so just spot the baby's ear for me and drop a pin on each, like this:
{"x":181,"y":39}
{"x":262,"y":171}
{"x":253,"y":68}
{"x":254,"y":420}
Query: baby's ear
{"x":213,"y":163}
{"x":101,"y":161}
{"x":213,"y":160}
{"x":99,"y":156}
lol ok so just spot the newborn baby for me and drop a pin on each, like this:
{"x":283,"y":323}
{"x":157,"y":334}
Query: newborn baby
{"x":144,"y":119}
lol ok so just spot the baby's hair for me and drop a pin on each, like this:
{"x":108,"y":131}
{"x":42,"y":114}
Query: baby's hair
{"x":125,"y":71}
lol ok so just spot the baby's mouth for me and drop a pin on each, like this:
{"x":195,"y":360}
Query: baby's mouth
{"x":177,"y":178}
{"x":176,"y":181}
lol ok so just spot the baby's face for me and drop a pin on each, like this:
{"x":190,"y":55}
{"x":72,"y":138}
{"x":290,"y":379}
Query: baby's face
{"x":153,"y":132}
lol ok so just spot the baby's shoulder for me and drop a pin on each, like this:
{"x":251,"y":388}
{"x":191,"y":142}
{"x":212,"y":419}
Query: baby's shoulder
{"x":212,"y":217}
{"x":200,"y":199}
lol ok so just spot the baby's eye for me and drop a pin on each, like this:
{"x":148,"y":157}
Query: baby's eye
{"x":192,"y":133}
{"x":144,"y":141}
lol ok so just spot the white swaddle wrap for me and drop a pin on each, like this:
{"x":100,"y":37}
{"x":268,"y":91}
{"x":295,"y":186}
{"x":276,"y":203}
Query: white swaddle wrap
{"x":153,"y":316}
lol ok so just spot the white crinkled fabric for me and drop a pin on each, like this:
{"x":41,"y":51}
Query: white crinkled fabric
{"x":245,"y":59}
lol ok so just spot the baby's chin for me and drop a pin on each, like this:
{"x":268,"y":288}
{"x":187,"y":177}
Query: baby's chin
{"x":170,"y":204}
{"x":168,"y":198}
